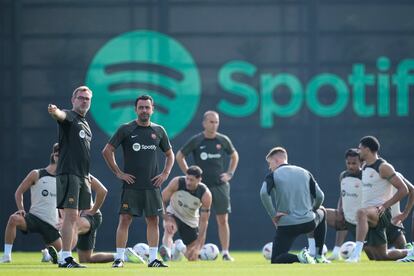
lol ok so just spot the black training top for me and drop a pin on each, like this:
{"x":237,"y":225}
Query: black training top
{"x":74,"y":145}
{"x":139,"y":145}
{"x":209,"y":155}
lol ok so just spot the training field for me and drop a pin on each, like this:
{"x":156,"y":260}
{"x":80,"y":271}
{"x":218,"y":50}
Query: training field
{"x":247,"y":263}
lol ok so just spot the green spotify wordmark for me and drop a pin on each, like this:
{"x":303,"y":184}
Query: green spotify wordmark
{"x":143,"y":62}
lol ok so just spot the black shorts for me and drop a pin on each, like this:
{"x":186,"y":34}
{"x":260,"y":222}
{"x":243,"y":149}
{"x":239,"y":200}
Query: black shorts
{"x":87,"y":241}
{"x":221,"y":199}
{"x":351,"y":228}
{"x":394,"y":232}
{"x":186,"y":233}
{"x":36,"y":225}
{"x":73,"y":192}
{"x":141,"y":202}
{"x":377,"y":235}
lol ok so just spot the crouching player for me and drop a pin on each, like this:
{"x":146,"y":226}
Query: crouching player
{"x":43,"y":216}
{"x":187,"y":213}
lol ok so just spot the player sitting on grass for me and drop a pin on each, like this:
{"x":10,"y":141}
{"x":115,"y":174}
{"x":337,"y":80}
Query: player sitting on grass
{"x":381,"y":188}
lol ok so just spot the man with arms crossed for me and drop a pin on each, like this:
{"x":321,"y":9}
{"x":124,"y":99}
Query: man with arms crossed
{"x":141,"y":194}
{"x":209,"y":149}
{"x":188,"y":212}
{"x":72,"y":181}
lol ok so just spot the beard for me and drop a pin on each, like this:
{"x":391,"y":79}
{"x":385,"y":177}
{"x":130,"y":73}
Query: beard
{"x":82,"y":110}
{"x":144,"y":118}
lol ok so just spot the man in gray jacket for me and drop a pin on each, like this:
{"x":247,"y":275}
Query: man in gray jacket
{"x":296,"y":209}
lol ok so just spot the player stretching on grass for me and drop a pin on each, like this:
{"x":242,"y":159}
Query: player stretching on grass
{"x":297,"y":209}
{"x":188,"y":212}
{"x":374,"y":216}
{"x":43,"y":216}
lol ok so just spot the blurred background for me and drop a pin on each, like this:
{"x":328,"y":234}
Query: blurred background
{"x":311,"y":76}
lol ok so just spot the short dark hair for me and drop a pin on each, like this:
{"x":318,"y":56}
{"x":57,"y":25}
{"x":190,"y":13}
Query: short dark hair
{"x":276,"y":150}
{"x":195,"y":171}
{"x":144,"y":98}
{"x":370,"y":142}
{"x":352,"y":152}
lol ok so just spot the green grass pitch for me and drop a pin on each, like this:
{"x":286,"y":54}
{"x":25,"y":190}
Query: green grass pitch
{"x":246,"y":263}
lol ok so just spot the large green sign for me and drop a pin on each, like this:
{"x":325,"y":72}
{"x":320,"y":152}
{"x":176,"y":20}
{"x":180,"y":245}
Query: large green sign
{"x":358,"y":82}
{"x":143,"y":62}
{"x":150,"y":62}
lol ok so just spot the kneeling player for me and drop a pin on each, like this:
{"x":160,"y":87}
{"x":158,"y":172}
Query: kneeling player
{"x":87,"y":227}
{"x":187,"y":213}
{"x":292,"y":198}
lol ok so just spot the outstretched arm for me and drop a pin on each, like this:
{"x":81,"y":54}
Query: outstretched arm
{"x":56,"y":113}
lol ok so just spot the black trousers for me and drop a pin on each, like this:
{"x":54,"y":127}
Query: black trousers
{"x":286,"y":235}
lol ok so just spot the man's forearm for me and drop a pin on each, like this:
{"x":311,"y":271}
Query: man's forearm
{"x":99,"y":200}
{"x":202,"y":229}
{"x":234,"y":160}
{"x":182,"y":163}
{"x":19,"y":201}
{"x":169,"y":162}
{"x":267,"y":201}
{"x":109,"y":157}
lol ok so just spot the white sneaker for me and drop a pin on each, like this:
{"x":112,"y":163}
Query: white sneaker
{"x":176,"y":255}
{"x":409,"y":258}
{"x":165,"y":253}
{"x":322,"y":260}
{"x":180,"y":246}
{"x":45,"y":256}
{"x":133,"y":257}
{"x":305,"y":258}
{"x":5,"y":259}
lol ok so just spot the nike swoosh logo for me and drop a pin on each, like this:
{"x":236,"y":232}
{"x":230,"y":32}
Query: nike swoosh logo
{"x":133,"y":136}
{"x":202,"y":147}
{"x":159,"y":210}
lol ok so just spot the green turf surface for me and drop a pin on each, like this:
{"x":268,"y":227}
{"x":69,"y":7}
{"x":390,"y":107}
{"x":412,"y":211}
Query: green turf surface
{"x":246,"y":263}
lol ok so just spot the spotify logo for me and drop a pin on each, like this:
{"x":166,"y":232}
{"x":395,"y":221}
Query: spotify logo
{"x":143,"y":62}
